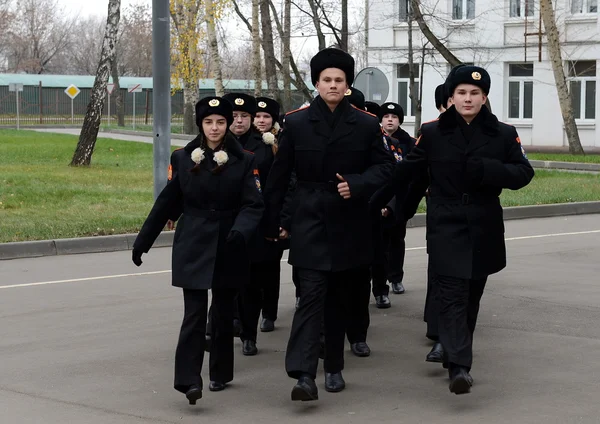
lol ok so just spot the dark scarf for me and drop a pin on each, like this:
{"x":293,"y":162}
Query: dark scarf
{"x":332,"y":118}
{"x":468,"y":130}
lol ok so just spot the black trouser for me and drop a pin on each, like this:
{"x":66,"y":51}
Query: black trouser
{"x":236,"y":312}
{"x":358,"y":296}
{"x":432,"y":306}
{"x":262,"y":293}
{"x":295,"y":280}
{"x":389,"y":261}
{"x":189,"y":355}
{"x":323,"y":299}
{"x":459,"y":305}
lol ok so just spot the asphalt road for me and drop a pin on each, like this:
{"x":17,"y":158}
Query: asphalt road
{"x":91,"y":339}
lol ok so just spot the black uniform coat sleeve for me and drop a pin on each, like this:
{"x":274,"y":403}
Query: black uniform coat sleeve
{"x":214,"y":205}
{"x":327,"y":232}
{"x":465,"y":227}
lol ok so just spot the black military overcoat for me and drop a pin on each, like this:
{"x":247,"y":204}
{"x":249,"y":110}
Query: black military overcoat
{"x":327,"y":232}
{"x":214,"y":204}
{"x":465,"y":227}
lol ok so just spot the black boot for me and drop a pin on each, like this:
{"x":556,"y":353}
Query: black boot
{"x":398,"y":288}
{"x":305,"y":389}
{"x":334,"y":382}
{"x":360,"y":349}
{"x":460,"y":380}
{"x":249,"y":348}
{"x":193,"y":394}
{"x":267,"y":325}
{"x":436,"y":354}
{"x":383,"y":301}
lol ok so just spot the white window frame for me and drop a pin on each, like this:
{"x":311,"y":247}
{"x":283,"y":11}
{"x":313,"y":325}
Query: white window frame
{"x":464,"y":11}
{"x":522,"y":8}
{"x":408,"y":101}
{"x":521,"y":81}
{"x":582,"y":97}
{"x":586,"y":5}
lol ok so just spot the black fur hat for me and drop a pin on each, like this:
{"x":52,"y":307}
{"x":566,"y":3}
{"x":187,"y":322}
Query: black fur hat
{"x":391,"y":108}
{"x":468,"y":74}
{"x":373,"y":108}
{"x":213,"y":105}
{"x":332,"y":58}
{"x":270,"y":106}
{"x":441,"y":96}
{"x":356,"y":98}
{"x":242,"y":102}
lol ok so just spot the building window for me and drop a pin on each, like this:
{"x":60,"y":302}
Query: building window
{"x":584,"y":6}
{"x":464,"y":9}
{"x":402,"y":76}
{"x":520,"y":91}
{"x":582,"y":86}
{"x":404,"y":10}
{"x":522,"y":8}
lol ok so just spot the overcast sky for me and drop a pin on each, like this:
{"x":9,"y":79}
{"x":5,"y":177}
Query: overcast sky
{"x":94,"y":7}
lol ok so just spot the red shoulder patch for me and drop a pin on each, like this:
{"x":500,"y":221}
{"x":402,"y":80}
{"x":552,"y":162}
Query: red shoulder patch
{"x":364,"y":111}
{"x":170,"y":172}
{"x":248,"y":151}
{"x":296,"y":110}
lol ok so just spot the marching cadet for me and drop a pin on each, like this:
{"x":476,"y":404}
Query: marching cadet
{"x":470,"y":157}
{"x":432,"y":307}
{"x":214,"y":187}
{"x":339,"y":160}
{"x":372,"y":108}
{"x":262,"y":292}
{"x":265,"y":256}
{"x":391,"y":116}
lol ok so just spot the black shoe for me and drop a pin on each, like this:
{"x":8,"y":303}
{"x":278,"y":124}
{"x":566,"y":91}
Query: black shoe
{"x":208,"y":343}
{"x":383,"y":301}
{"x":360,"y":349}
{"x":249,"y":348}
{"x":398,"y":288}
{"x":237,"y":328}
{"x":215,"y":386}
{"x":436,"y":354}
{"x":470,"y":379}
{"x":460,"y":383}
{"x":305,"y":390}
{"x":297,"y":302}
{"x":267,"y":325}
{"x":193,"y":394}
{"x":334,"y":382}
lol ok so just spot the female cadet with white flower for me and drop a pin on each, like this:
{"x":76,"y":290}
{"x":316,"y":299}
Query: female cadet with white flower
{"x":216,"y":185}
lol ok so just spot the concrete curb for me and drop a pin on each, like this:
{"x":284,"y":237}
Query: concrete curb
{"x":571,"y":166}
{"x":32,"y":249}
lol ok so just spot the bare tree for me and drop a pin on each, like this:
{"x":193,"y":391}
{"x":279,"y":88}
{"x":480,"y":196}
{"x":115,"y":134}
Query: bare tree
{"x":213,"y":43}
{"x":91,"y":123}
{"x":286,"y":55}
{"x":269,"y":50}
{"x":83,"y":54}
{"x":256,"y":68}
{"x":114,"y":70}
{"x":564,"y":97}
{"x":135,"y":41}
{"x":40,"y":31}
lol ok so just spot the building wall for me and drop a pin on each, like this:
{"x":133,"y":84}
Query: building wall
{"x":494,"y":40}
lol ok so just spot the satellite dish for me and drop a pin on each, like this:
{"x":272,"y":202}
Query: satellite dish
{"x":374,"y":84}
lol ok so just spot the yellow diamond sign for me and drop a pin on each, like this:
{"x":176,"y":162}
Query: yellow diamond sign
{"x":72,"y":91}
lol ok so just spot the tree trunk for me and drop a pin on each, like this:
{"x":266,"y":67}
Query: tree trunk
{"x":564,"y":97}
{"x":114,"y":68}
{"x":317,"y":22}
{"x":287,"y":54}
{"x":435,"y":42}
{"x":269,"y":51}
{"x":344,"y":43}
{"x":214,"y":48}
{"x":413,"y":94}
{"x":191,"y":95}
{"x":91,"y":123}
{"x":256,"y":68}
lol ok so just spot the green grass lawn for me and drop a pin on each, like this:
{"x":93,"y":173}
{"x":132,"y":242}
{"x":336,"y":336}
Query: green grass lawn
{"x":564,"y":157}
{"x":41,"y":197}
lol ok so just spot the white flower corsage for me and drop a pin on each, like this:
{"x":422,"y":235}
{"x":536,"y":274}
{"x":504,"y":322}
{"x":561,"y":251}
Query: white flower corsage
{"x":197,"y":155}
{"x":276,"y":127}
{"x":221,"y":157}
{"x":268,"y":138}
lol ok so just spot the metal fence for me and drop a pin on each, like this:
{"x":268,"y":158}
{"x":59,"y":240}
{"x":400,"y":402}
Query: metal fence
{"x":40,"y":105}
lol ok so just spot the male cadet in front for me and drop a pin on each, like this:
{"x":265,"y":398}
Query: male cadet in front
{"x":470,"y":157}
{"x":391,"y":116}
{"x":339,"y":161}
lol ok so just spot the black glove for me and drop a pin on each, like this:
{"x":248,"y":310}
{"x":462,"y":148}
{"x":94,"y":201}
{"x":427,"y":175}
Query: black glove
{"x":235,"y":239}
{"x":136,"y":256}
{"x":474,"y":172}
